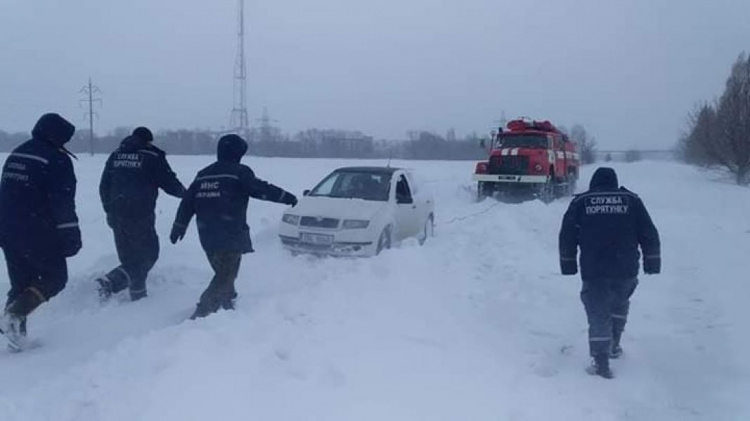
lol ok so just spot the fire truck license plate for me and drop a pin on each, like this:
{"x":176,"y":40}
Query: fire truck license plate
{"x":317,"y":239}
{"x":508,"y":177}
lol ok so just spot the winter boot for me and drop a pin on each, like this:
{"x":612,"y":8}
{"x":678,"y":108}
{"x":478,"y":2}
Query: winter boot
{"x":137,"y":295}
{"x":228,"y":301}
{"x":203,"y":309}
{"x":616,"y":350}
{"x":10,"y":327}
{"x":13,"y":321}
{"x":600,"y":367}
{"x":227,"y":304}
{"x":104,"y":288}
{"x":26,"y":302}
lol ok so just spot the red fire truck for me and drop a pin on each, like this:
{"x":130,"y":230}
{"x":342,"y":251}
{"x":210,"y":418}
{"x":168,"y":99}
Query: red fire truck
{"x":529,"y":158}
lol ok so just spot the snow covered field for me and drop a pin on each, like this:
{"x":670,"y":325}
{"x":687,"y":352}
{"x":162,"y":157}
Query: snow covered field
{"x":476,"y":325}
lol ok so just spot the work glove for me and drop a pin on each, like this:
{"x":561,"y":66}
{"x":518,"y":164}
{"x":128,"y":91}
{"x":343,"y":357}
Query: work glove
{"x":568,"y":266}
{"x":290,"y":199}
{"x":652,"y":265}
{"x":177,"y":234}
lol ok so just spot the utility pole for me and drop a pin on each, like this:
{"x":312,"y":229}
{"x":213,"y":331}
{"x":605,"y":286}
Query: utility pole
{"x":239,"y":119}
{"x":89,"y":90}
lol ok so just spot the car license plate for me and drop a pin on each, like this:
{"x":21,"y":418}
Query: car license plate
{"x":316,"y":239}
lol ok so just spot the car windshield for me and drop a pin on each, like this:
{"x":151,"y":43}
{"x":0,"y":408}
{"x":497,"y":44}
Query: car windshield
{"x":355,"y":185}
{"x":523,"y":141}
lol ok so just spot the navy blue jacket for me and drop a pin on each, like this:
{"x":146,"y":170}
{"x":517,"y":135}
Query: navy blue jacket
{"x":608,"y":224}
{"x":37,"y":194}
{"x":219,"y":197}
{"x":131,"y":180}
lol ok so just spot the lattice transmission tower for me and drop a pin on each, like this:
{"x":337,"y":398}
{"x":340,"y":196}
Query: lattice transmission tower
{"x":90,"y":91}
{"x":239,"y":120}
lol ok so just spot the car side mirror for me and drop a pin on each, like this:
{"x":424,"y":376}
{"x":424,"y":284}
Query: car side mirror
{"x":306,"y":193}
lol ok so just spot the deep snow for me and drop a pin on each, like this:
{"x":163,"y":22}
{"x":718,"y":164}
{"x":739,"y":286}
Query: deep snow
{"x":476,"y":325}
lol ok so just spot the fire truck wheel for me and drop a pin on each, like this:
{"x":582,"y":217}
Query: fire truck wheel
{"x":566,"y":188}
{"x":571,"y":185}
{"x":484,"y":190}
{"x":547,"y":192}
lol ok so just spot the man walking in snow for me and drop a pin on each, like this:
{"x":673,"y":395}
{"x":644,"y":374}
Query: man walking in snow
{"x":38,"y":222}
{"x":219,"y":198}
{"x":130,"y":184}
{"x":608,"y":223}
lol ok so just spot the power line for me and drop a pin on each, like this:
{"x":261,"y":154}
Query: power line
{"x":89,"y":90}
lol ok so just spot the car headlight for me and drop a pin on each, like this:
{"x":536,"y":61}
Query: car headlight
{"x":350,"y":224}
{"x":538,"y":167}
{"x":291,"y":219}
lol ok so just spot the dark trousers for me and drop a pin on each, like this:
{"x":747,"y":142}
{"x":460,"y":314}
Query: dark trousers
{"x":607,"y":302}
{"x":220,"y":292}
{"x":41,"y":277}
{"x":138,"y":250}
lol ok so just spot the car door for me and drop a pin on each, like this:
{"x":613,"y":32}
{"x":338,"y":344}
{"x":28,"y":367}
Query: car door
{"x":407,"y":210}
{"x":422,"y":199}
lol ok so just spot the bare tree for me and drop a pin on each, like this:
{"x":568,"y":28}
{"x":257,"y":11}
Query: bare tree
{"x":720,"y":135}
{"x":697,"y":146}
{"x":733,"y":114}
{"x":586,"y":143}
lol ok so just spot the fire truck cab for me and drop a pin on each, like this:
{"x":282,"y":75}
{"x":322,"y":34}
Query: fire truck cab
{"x":529,"y":158}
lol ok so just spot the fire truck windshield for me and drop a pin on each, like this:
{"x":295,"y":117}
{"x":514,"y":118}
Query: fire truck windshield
{"x":521,"y":141}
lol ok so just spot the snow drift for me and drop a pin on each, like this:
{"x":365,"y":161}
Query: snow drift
{"x":477,"y":324}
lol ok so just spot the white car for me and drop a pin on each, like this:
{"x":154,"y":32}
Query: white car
{"x":358,"y":211}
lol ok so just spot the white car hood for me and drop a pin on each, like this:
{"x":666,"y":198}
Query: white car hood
{"x":328,"y":207}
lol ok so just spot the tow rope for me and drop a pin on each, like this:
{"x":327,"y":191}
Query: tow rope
{"x":469,"y":216}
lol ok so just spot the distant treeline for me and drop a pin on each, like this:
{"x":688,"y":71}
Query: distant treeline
{"x":271,"y":142}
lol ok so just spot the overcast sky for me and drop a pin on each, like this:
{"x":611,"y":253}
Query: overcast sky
{"x":629,"y":70}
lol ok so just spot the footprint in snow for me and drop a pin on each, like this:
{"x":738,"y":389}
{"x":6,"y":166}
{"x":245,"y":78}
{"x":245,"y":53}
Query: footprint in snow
{"x":545,"y":371}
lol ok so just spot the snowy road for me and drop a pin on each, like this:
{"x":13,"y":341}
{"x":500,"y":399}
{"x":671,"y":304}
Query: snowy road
{"x":475,"y":325}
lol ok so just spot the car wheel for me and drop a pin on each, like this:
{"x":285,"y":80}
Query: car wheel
{"x":384,"y":242}
{"x":428,"y":230}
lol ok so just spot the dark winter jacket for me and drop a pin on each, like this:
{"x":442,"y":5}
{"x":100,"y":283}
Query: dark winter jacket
{"x":219,"y":198}
{"x":37,"y":193}
{"x":608,"y":224}
{"x":131,"y":180}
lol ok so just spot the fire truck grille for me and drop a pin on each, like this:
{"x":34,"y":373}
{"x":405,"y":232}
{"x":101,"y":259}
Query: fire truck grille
{"x":509,"y":164}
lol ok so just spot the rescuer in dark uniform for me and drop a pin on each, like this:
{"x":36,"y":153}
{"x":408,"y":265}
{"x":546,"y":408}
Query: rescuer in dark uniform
{"x":38,"y":222}
{"x":130,"y":184}
{"x":219,"y":197}
{"x":608,"y":224}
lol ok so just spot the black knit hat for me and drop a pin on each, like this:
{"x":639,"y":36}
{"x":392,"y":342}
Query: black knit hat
{"x":144,"y":134}
{"x":231,"y":148}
